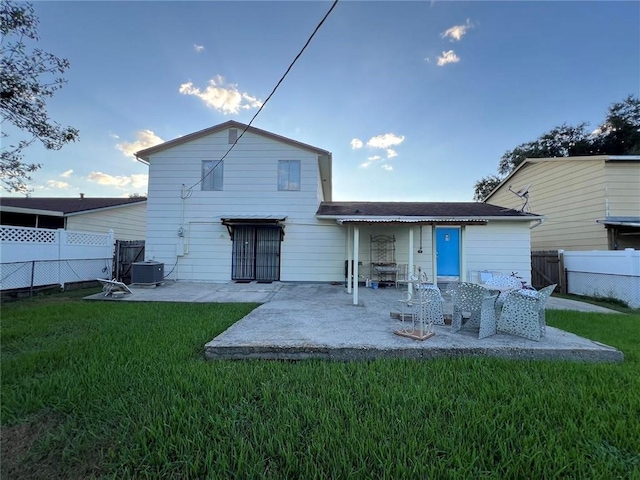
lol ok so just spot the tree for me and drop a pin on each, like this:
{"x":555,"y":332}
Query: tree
{"x":29,"y":77}
{"x":485,"y":186}
{"x":619,"y":134}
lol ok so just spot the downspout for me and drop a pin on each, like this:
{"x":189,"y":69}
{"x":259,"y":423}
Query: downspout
{"x":539,"y":221}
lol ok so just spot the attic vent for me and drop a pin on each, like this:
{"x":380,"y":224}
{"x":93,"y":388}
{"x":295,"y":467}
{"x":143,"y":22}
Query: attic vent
{"x":233,"y":135}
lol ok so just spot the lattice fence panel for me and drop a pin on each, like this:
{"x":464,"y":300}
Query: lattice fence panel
{"x":76,"y":238}
{"x":28,"y":235}
{"x":622,"y":287}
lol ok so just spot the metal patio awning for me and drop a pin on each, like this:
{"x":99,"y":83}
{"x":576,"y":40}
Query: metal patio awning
{"x":233,"y":221}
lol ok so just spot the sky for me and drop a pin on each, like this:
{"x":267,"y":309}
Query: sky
{"x":416,"y":100}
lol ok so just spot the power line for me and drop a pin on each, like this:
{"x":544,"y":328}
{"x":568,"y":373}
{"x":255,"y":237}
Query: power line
{"x":189,"y":191}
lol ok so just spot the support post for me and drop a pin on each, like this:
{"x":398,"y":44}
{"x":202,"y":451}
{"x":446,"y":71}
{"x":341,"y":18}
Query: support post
{"x":410,"y":266}
{"x":33,"y":272}
{"x":356,"y":255}
{"x":349,"y":260}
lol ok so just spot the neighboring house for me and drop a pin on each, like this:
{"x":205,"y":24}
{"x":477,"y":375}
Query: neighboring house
{"x":589,"y":203}
{"x":266,"y":213}
{"x":125,"y":216}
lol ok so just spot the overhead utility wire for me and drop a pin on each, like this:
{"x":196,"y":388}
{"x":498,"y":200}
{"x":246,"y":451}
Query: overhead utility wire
{"x":265,"y":102}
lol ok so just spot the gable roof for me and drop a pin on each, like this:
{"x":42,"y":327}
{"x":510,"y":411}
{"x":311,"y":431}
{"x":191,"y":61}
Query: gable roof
{"x":600,"y":158}
{"x":61,"y":206}
{"x":418,"y":212}
{"x":324,"y":156}
{"x":143,"y":155}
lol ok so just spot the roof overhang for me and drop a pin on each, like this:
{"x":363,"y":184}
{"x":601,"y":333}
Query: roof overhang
{"x":620,"y":221}
{"x":340,"y":219}
{"x":31,"y":211}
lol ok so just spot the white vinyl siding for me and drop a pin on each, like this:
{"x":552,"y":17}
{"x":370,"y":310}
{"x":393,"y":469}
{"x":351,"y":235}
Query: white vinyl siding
{"x":498,"y":246}
{"x":289,"y":175}
{"x":127,"y":222}
{"x":311,"y":250}
{"x":212,"y":180}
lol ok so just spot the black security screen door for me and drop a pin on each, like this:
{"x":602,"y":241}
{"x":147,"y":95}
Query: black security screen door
{"x":256,"y":253}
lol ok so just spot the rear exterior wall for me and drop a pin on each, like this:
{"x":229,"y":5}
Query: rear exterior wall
{"x":311,"y":249}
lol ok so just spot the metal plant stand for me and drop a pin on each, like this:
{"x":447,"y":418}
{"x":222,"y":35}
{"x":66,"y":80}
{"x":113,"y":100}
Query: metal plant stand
{"x":421,"y":311}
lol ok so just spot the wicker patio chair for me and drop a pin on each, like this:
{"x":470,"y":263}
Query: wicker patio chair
{"x":544,"y":295}
{"x":520,"y":314}
{"x":467,"y":298}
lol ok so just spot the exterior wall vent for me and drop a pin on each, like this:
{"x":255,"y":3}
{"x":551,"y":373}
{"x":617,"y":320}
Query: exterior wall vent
{"x":233,"y":135}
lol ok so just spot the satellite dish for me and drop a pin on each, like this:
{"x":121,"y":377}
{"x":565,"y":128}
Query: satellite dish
{"x":523,"y":193}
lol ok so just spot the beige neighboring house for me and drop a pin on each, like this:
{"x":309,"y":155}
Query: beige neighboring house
{"x":589,"y":203}
{"x":127,"y":217}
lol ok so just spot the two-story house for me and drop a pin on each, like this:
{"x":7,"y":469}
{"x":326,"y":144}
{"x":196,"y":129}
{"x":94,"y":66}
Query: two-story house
{"x":264,"y":212}
{"x":589,"y":203}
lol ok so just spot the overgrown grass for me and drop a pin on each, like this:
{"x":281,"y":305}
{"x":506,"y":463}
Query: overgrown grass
{"x":121,"y":390}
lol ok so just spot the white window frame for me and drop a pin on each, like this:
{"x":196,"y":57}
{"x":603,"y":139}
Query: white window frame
{"x":286,"y":184}
{"x":213,"y":182}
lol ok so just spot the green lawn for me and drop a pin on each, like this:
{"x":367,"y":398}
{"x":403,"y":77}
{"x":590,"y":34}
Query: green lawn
{"x":121,"y":390}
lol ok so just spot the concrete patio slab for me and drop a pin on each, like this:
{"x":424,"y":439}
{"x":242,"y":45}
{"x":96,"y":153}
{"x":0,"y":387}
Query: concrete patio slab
{"x":319,"y":321}
{"x":303,"y":321}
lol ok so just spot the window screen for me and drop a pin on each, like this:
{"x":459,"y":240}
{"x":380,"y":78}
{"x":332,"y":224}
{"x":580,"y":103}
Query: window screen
{"x":212,"y":180}
{"x":288,"y":174}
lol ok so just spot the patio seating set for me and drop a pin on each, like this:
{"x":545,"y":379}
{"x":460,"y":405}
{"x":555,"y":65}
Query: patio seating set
{"x":500,"y":305}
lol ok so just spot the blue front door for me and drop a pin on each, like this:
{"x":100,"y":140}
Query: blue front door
{"x":448,"y":251}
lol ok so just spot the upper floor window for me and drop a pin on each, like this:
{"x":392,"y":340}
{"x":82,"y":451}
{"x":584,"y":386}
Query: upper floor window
{"x":288,"y":174}
{"x":212,"y":180}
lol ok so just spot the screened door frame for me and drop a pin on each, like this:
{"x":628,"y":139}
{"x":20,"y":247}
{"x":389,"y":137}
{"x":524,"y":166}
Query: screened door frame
{"x":255,"y":251}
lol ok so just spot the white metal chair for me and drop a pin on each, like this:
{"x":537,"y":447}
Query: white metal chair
{"x":503,"y":281}
{"x":467,"y":298}
{"x":520,"y":314}
{"x":544,"y":295}
{"x":488,"y":318}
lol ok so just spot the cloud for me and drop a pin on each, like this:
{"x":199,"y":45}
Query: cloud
{"x":356,"y":143}
{"x":57,"y":184}
{"x":121,"y":182}
{"x":198,"y":48}
{"x":371,"y":160}
{"x":455,"y":33}
{"x":145,"y":139}
{"x":223,"y":98}
{"x":448,"y":57}
{"x":66,"y":174}
{"x":391,"y":153}
{"x":385,"y":141}
{"x":113,"y":135}
{"x":387,"y":167}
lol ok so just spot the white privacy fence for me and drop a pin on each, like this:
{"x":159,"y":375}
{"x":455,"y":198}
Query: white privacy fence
{"x":613,"y":274}
{"x":35,"y":256}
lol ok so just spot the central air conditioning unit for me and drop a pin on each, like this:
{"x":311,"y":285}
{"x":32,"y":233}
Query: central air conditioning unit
{"x":147,"y":273}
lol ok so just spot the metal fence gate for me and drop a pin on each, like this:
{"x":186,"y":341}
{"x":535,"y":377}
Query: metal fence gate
{"x":126,"y":253}
{"x":547,"y":268}
{"x":256,"y":253}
